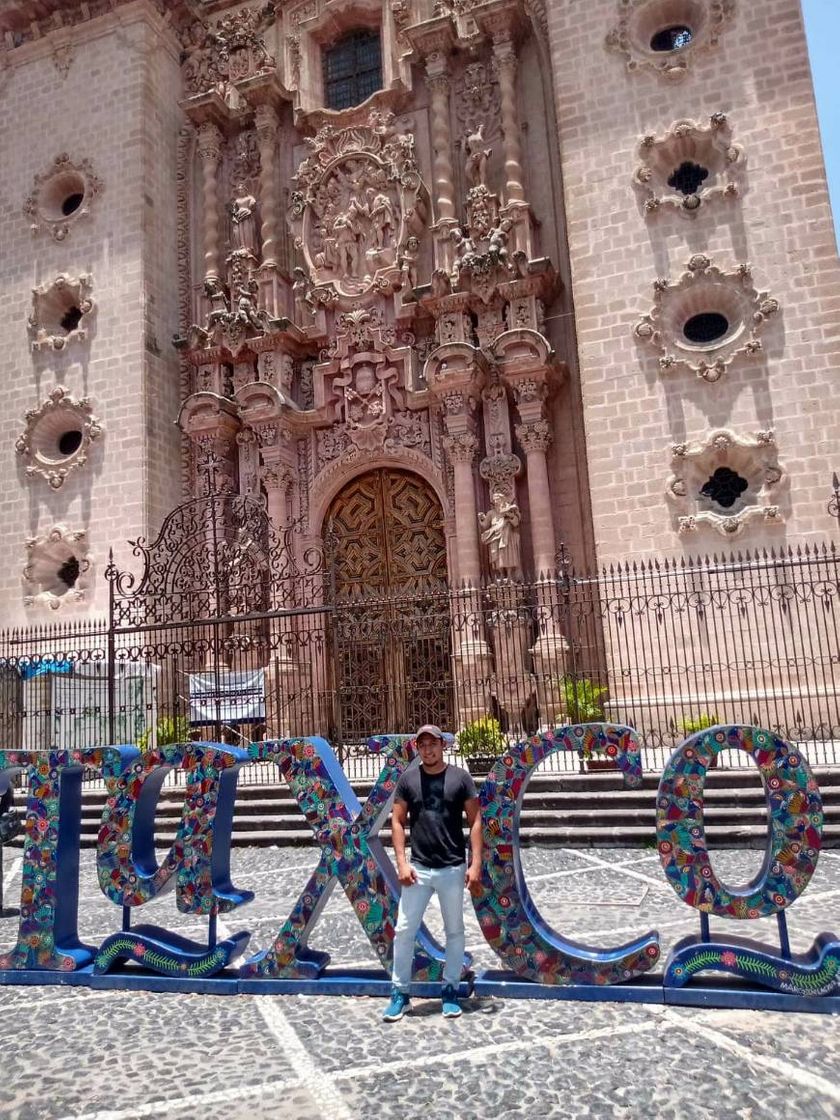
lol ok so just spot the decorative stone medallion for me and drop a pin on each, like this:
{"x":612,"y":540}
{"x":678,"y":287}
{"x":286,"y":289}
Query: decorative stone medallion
{"x":725,"y":481}
{"x":60,"y":312}
{"x":58,"y":568}
{"x":57,"y":436}
{"x":666,"y":36}
{"x":359,"y":199}
{"x":688,"y":166}
{"x":61,"y":195}
{"x":706,"y":318}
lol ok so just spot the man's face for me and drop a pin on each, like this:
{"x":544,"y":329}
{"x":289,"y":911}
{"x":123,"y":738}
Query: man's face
{"x":430,"y":750}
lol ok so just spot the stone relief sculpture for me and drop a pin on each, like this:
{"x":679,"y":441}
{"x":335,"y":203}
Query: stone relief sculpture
{"x":359,"y":201}
{"x":243,"y":221}
{"x":218,"y":56}
{"x":477,"y":157}
{"x":500,"y":532}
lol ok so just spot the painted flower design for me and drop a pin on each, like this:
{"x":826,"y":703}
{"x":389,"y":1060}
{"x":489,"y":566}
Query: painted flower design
{"x":729,"y":959}
{"x":139,"y":950}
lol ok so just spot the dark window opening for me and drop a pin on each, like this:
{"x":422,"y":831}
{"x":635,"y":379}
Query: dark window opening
{"x":68,"y":442}
{"x":725,"y":487}
{"x":688,"y":178}
{"x":72,"y":203}
{"x":708,"y":326}
{"x":671,"y":38}
{"x":71,"y":319}
{"x":68,"y":573}
{"x":352,"y":69}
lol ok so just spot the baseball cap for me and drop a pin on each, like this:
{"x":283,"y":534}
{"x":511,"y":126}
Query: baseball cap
{"x":429,"y":729}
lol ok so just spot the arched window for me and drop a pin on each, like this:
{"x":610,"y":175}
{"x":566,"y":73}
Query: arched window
{"x":352,"y":69}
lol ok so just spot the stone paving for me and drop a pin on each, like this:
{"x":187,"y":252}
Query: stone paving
{"x":128,"y":1055}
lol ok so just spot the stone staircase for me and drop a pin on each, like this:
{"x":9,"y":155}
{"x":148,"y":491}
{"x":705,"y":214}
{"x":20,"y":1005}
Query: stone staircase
{"x":559,"y":810}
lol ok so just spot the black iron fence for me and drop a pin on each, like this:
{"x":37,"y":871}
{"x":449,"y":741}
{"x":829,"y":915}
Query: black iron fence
{"x":665,"y":646}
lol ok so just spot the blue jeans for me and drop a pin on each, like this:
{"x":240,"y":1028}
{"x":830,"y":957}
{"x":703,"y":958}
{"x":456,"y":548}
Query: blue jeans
{"x":448,"y":884}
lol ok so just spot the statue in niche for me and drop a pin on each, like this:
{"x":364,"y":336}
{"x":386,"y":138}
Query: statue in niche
{"x":477,"y":157}
{"x":408,"y":262}
{"x":243,"y":221}
{"x":500,"y":532}
{"x":301,"y":293}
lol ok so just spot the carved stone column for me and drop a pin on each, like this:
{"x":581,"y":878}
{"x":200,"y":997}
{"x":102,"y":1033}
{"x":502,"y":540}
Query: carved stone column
{"x":437,"y":79}
{"x":504,"y":52}
{"x":535,"y":437}
{"x":209,"y":149}
{"x":461,"y":446}
{"x":267,"y":122}
{"x":282,"y":672}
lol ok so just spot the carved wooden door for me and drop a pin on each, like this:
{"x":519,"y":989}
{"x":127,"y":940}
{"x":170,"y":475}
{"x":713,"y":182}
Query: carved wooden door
{"x":391,"y":633}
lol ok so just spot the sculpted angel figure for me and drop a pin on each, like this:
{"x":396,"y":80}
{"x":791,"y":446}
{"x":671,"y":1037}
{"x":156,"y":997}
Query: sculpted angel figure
{"x":500,"y":532}
{"x":477,"y":157}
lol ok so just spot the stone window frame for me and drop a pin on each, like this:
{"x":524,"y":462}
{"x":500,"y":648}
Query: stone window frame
{"x":45,"y":555}
{"x":312,"y":26}
{"x":43,"y":206}
{"x":52,"y":298}
{"x":38,"y":444}
{"x":350,"y":41}
{"x":753,"y":457}
{"x":709,"y":145}
{"x":639,"y":20}
{"x":705,"y":287}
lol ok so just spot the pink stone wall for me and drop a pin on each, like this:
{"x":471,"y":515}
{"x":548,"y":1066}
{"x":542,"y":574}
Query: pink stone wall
{"x":117,"y":108}
{"x":759,"y":75}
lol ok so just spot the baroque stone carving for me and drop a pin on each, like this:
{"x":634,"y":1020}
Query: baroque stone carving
{"x":217,"y":57}
{"x":57,"y":436}
{"x":500,"y":532}
{"x":60,"y":312}
{"x":688,"y":166}
{"x":501,"y":471}
{"x":233,"y":317}
{"x":58,"y":569}
{"x":61,"y":195}
{"x":725,"y":481}
{"x":477,"y":101}
{"x":705,"y":295}
{"x":641,"y":21}
{"x":359,"y":199}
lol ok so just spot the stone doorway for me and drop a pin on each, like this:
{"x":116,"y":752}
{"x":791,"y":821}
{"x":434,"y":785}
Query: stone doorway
{"x":391,"y":632}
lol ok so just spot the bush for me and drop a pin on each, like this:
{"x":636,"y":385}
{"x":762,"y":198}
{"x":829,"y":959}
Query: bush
{"x":481,"y":737}
{"x":168,"y":729}
{"x":698,"y":723}
{"x":583,"y":700}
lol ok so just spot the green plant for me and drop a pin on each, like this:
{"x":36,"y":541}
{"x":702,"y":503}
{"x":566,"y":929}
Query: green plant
{"x":481,"y":737}
{"x":583,"y":700}
{"x":168,"y":729}
{"x":698,"y":723}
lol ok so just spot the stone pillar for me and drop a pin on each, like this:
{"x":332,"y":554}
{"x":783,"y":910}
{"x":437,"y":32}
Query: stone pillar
{"x":461,"y":447}
{"x":283,"y":669}
{"x":504,"y":52}
{"x":437,"y":79}
{"x":209,"y":149}
{"x":267,"y":122}
{"x":535,"y":437}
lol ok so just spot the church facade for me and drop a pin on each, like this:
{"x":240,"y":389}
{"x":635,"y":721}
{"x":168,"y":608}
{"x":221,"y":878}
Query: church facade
{"x":444,"y":285}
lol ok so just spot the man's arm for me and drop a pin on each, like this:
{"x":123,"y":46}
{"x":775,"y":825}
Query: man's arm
{"x":473,"y":878}
{"x":405,"y":872}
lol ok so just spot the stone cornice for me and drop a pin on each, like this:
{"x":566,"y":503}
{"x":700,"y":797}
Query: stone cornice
{"x":26,"y":31}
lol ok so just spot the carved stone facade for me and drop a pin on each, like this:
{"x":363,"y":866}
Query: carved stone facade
{"x":444,"y":275}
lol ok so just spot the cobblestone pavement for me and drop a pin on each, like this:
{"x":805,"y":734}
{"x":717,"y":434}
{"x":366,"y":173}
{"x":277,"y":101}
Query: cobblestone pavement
{"x":127,"y":1055}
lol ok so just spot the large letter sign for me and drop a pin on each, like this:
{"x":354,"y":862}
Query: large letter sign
{"x":537,"y":961}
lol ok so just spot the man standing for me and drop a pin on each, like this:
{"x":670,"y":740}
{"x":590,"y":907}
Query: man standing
{"x":433,"y":798}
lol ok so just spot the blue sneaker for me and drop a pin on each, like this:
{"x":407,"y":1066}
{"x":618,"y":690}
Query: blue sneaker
{"x":451,"y":1008}
{"x":400,"y":1003}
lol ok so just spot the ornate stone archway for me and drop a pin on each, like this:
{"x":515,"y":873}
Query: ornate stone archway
{"x":388,"y":574}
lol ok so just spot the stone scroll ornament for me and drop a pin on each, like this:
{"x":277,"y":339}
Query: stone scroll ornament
{"x":351,"y":854}
{"x":795,"y":814}
{"x":198,"y":862}
{"x":509,"y":918}
{"x":359,"y":200}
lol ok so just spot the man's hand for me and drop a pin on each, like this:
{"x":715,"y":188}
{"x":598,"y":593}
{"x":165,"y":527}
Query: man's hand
{"x":406,"y":874}
{"x":473,"y":880}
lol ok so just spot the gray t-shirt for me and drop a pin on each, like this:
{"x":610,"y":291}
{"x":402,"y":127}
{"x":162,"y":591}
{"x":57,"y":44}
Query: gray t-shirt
{"x":436,"y":814}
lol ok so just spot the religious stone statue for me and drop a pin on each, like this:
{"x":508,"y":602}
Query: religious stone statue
{"x":477,"y":157}
{"x":500,"y":532}
{"x":242,"y":218}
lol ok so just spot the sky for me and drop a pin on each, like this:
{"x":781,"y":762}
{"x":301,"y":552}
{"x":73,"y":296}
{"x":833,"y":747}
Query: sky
{"x":822,"y":26}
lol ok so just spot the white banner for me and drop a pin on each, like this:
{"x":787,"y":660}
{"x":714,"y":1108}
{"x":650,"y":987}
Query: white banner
{"x":227,"y":697}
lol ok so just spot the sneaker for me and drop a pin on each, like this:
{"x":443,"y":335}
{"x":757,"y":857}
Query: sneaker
{"x":400,"y":1003}
{"x":450,"y":1006}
